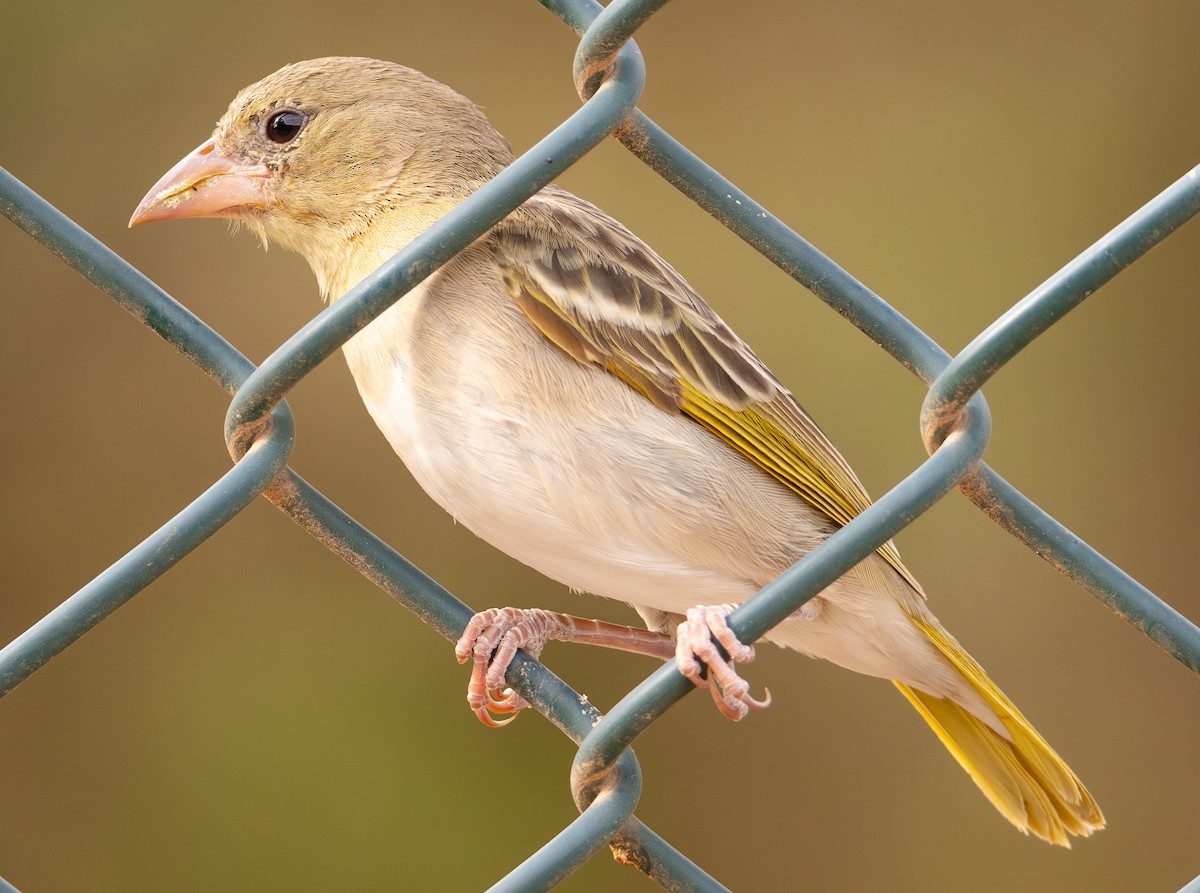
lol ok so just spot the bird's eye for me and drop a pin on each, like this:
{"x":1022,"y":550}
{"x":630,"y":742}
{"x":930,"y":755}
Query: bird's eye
{"x":284,"y":126}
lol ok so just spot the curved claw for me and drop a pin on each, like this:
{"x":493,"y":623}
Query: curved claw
{"x":731,"y":708}
{"x":505,"y":701}
{"x":484,"y":701}
{"x":758,"y":705}
{"x":482,"y":714}
{"x":736,"y":706}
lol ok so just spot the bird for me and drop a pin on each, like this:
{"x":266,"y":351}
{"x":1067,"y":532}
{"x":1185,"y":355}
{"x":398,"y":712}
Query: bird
{"x":564,"y":393}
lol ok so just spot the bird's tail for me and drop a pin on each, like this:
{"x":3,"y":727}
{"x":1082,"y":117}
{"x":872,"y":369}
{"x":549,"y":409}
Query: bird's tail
{"x":1023,"y":777}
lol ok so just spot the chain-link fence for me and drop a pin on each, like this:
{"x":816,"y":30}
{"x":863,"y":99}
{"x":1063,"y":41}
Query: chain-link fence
{"x":606,"y":781}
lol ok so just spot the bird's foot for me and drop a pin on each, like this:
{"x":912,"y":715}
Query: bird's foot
{"x":695,"y":649}
{"x":492,"y":638}
{"x":490,"y":641}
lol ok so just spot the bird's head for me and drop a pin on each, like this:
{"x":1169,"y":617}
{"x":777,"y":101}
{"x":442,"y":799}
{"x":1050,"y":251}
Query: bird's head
{"x":312,"y":156}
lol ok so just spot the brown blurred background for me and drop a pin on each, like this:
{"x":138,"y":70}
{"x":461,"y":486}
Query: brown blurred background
{"x":262,"y":718}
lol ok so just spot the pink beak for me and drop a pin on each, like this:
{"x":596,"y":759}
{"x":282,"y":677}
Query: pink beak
{"x":204,"y":184}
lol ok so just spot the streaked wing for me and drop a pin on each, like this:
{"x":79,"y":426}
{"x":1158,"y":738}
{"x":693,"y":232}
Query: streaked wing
{"x":597,"y":291}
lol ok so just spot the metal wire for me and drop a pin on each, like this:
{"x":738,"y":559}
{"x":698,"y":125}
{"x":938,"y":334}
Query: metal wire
{"x":605,"y":777}
{"x":1193,"y":887}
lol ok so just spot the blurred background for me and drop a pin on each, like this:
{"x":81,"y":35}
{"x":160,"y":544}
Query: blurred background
{"x":263,"y":718}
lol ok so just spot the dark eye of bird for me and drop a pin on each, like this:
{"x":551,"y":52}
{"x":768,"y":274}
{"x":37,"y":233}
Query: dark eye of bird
{"x":283,"y":127}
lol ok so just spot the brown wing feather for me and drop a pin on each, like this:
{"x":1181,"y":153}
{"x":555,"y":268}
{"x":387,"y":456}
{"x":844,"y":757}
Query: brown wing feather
{"x":600,"y":294}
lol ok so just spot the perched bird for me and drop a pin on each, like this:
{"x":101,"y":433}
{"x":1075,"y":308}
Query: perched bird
{"x":564,"y":393}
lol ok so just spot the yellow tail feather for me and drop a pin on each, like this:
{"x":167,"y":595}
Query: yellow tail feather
{"x":1022,"y":775}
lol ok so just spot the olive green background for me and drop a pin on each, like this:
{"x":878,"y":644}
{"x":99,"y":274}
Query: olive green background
{"x":262,"y":718}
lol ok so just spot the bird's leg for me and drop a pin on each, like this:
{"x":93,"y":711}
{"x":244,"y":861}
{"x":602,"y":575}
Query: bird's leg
{"x":492,"y":638}
{"x":695,"y":648}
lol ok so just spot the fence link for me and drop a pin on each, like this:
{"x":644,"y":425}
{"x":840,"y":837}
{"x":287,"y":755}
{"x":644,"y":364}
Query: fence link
{"x":605,"y":779}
